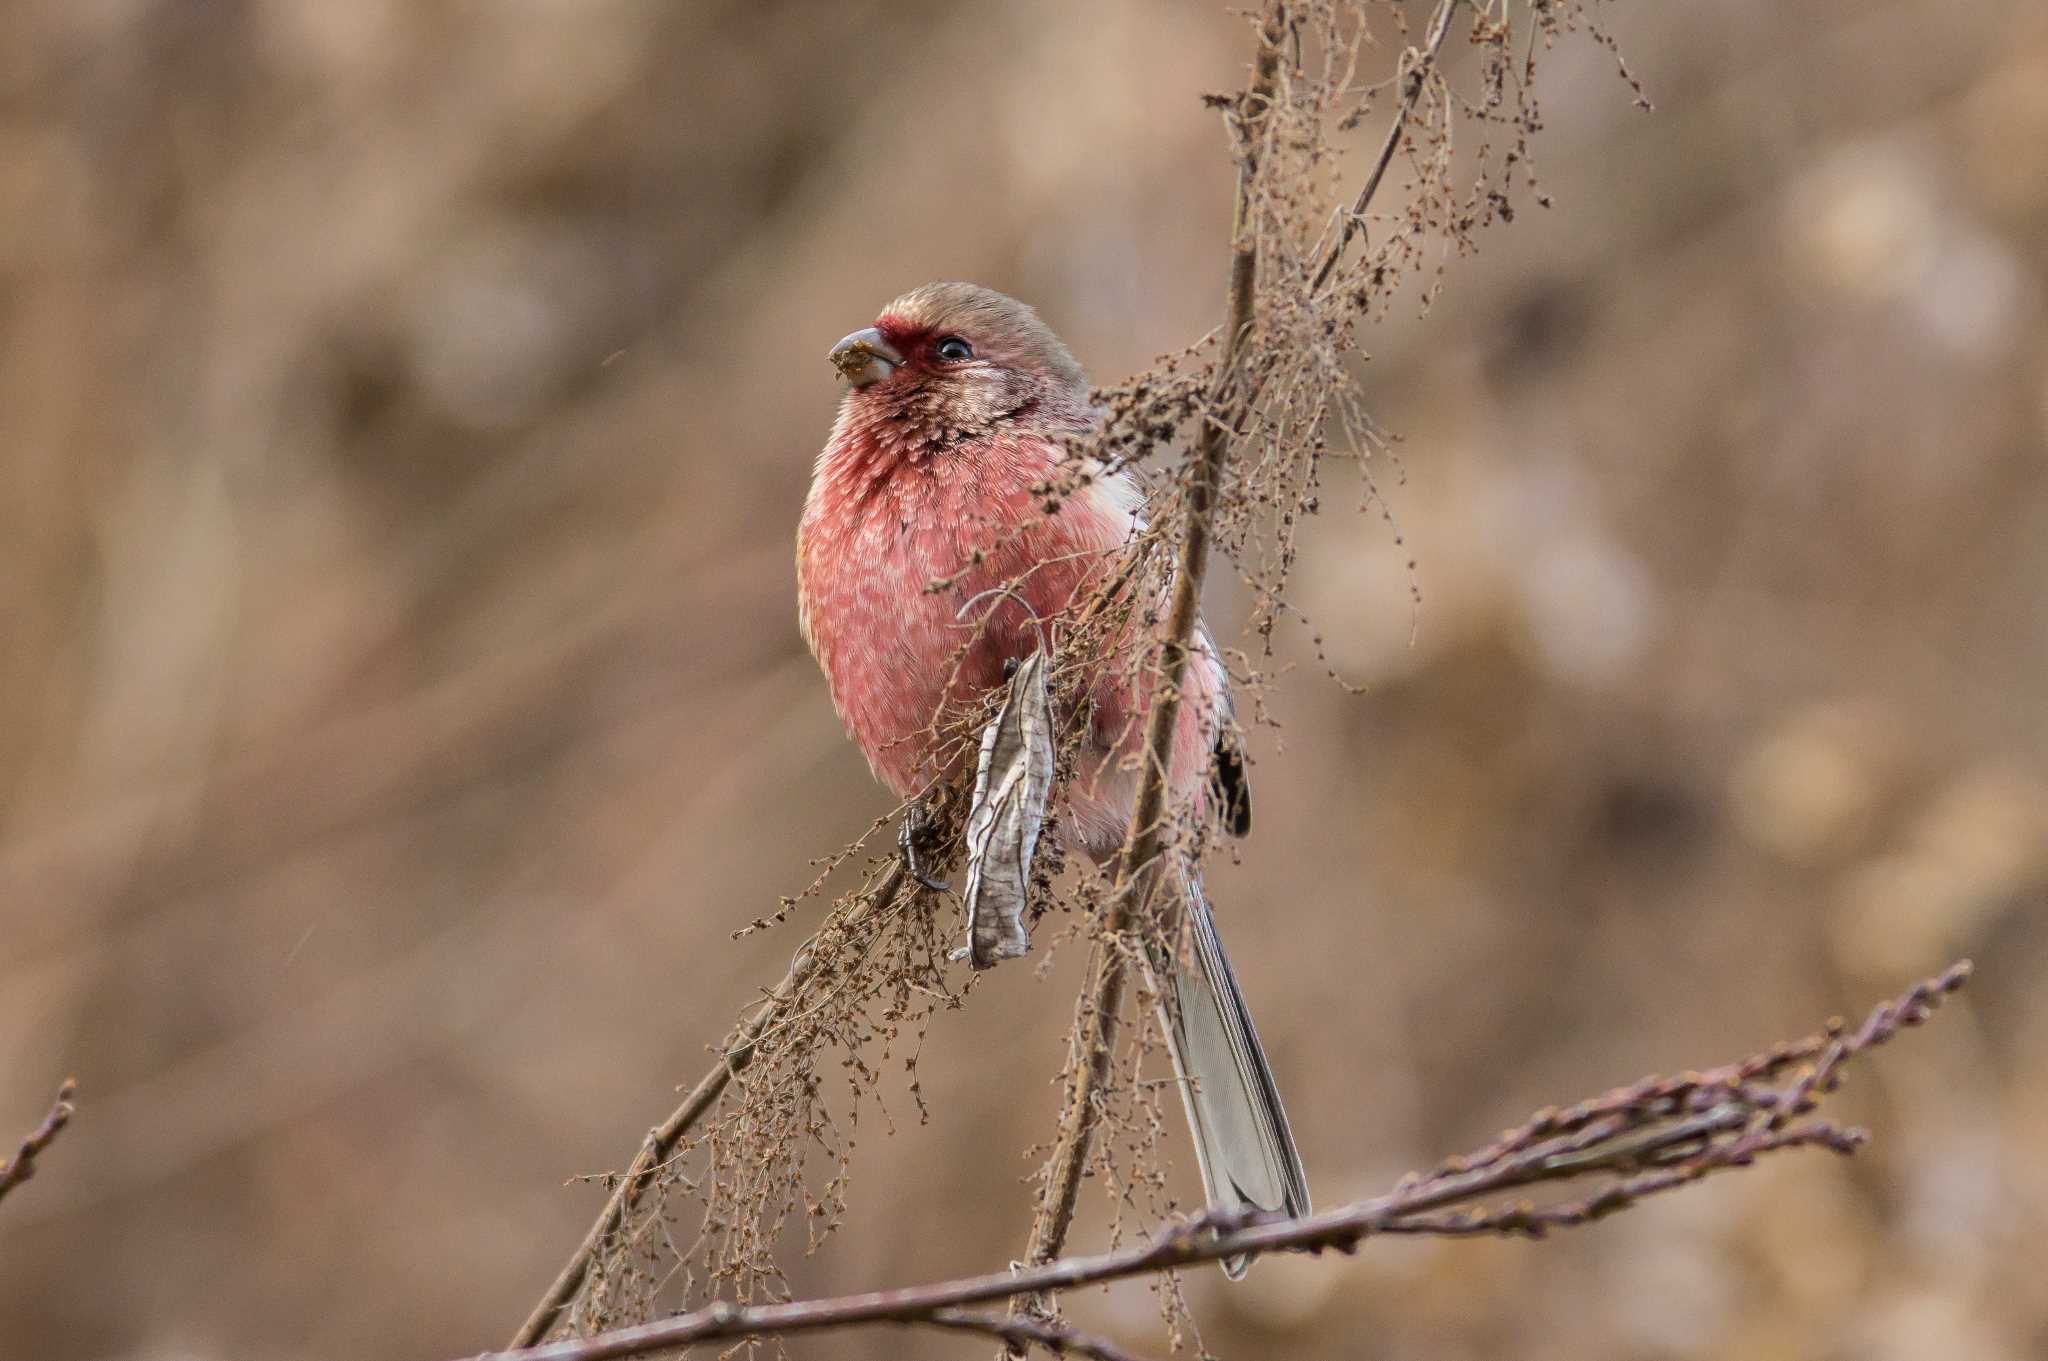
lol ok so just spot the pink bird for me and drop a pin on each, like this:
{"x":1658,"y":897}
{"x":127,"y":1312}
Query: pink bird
{"x":958,"y":403}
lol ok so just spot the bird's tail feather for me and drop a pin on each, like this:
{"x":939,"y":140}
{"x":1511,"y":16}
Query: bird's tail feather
{"x":1246,"y":1152}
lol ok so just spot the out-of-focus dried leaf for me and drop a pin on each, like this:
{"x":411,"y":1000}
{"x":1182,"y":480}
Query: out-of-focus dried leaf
{"x":1012,"y":781}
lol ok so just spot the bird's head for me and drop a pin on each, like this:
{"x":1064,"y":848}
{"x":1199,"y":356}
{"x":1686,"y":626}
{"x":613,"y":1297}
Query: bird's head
{"x":954,"y":360}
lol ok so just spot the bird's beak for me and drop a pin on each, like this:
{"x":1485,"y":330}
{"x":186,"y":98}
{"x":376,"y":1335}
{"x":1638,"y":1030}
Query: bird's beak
{"x":865,"y":357}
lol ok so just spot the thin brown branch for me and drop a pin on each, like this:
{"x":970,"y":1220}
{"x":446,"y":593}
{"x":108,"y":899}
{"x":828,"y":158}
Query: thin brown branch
{"x":22,"y":1165}
{"x":1416,"y":79}
{"x":663,"y":1139}
{"x":1095,"y":1021}
{"x":1748,"y":1118}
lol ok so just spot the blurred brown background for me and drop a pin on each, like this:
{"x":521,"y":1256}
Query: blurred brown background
{"x":404,"y":415}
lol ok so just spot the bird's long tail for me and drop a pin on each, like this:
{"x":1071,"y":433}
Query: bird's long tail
{"x":1242,"y":1142}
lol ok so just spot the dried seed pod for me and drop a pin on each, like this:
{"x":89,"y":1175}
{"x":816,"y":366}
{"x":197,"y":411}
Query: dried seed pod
{"x":1012,"y":781}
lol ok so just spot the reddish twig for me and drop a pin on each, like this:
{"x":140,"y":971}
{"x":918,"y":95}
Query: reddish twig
{"x":22,"y":1165}
{"x":1655,"y":1136}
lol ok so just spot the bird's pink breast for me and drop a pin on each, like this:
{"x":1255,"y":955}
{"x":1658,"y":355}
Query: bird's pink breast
{"x":876,"y":538}
{"x":879,"y":530}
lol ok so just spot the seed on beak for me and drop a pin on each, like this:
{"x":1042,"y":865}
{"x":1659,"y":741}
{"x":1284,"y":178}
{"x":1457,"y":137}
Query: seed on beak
{"x":865,"y":357}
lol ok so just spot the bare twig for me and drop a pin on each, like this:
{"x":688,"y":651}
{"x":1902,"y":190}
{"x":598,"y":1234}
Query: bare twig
{"x":1705,"y":1123}
{"x":1095,"y":1022}
{"x":662,"y":1140}
{"x":22,"y":1165}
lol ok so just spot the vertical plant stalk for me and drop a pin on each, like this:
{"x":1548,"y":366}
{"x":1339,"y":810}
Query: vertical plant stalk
{"x":1095,"y":1021}
{"x":663,"y":1139}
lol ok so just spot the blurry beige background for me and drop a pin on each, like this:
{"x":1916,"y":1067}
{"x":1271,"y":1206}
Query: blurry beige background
{"x":404,"y":415}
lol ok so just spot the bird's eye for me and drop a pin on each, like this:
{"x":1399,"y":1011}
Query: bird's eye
{"x":953,"y":350}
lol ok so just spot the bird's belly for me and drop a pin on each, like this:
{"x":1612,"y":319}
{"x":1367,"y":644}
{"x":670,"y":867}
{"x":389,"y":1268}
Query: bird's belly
{"x":915,"y":607}
{"x":894,"y":651}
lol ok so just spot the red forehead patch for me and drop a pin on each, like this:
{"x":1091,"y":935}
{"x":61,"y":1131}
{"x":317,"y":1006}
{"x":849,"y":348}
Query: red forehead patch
{"x":902,"y":332}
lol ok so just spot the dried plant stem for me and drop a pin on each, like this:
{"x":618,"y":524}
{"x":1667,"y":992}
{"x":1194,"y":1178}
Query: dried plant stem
{"x":1655,"y":1136}
{"x":1416,"y":79}
{"x":663,"y":1138}
{"x":1095,"y":1021}
{"x":22,"y":1165}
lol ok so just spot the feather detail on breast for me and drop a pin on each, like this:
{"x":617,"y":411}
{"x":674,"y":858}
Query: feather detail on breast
{"x":881,"y":527}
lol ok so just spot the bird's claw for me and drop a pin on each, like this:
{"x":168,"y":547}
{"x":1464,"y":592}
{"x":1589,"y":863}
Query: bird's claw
{"x":915,"y":827}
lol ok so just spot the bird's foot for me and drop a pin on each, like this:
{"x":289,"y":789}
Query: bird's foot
{"x":912,"y":836}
